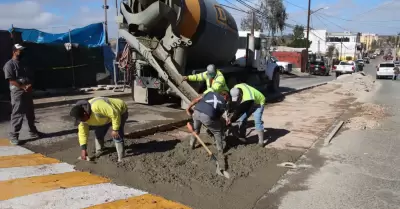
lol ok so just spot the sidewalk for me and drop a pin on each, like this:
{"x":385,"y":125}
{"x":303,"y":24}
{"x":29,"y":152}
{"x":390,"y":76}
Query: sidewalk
{"x":31,"y":180}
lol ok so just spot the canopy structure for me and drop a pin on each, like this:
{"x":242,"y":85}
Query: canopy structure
{"x":90,"y":36}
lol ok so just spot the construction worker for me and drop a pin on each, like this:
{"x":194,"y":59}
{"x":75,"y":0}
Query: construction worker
{"x":101,"y":113}
{"x":248,"y":100}
{"x":19,"y":78}
{"x":208,"y":111}
{"x":214,"y":78}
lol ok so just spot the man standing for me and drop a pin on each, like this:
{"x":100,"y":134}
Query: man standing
{"x":214,"y":79}
{"x":208,"y":111}
{"x":248,"y":101}
{"x":20,"y":82}
{"x":396,"y":72}
{"x":101,"y":113}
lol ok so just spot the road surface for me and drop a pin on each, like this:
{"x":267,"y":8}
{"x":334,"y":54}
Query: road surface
{"x":359,"y":169}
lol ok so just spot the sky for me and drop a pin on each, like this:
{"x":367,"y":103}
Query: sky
{"x":366,"y":16}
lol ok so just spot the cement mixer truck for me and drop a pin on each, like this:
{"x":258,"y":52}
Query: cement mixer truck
{"x":167,"y":39}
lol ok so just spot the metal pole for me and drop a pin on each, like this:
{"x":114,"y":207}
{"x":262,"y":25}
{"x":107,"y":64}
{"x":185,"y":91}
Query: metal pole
{"x":308,"y":25}
{"x":72,"y":59}
{"x":105,"y":7}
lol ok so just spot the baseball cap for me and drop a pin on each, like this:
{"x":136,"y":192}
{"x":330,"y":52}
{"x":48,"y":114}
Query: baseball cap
{"x":18,"y":47}
{"x":77,"y":112}
{"x":235,"y":94}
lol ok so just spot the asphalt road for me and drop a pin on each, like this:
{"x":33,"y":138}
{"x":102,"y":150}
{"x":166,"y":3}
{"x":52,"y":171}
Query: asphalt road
{"x":359,"y":169}
{"x":289,"y":84}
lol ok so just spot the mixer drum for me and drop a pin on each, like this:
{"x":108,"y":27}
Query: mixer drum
{"x":213,"y":31}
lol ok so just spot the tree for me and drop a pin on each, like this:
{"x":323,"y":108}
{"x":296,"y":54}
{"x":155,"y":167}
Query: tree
{"x":298,"y":38}
{"x":245,"y":23}
{"x":275,"y":16}
{"x":331,"y":51}
{"x":298,"y":32}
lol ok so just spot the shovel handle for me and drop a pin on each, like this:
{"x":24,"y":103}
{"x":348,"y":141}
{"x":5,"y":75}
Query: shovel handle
{"x":198,"y":138}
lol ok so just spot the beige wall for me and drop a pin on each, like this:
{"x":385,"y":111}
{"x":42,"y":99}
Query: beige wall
{"x":367,"y":40}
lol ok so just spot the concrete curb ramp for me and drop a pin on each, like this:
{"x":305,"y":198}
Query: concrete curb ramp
{"x":31,"y":180}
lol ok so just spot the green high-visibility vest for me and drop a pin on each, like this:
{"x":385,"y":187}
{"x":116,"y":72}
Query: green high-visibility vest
{"x":250,"y":93}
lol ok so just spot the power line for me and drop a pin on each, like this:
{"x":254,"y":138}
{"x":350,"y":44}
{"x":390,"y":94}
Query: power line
{"x":240,"y":10}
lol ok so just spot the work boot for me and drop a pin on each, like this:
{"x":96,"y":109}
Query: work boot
{"x":192,"y":142}
{"x":36,"y":134}
{"x":260,"y":138}
{"x":119,"y":146}
{"x":14,"y":141}
{"x":240,"y":133}
{"x":99,"y":146}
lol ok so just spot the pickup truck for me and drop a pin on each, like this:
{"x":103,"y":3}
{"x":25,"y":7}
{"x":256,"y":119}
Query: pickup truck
{"x":345,"y":67}
{"x":385,"y":69}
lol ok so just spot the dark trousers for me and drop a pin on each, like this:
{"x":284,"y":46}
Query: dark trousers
{"x":101,"y":131}
{"x":22,"y":105}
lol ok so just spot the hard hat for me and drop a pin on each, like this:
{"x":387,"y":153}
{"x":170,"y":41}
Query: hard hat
{"x":235,"y":94}
{"x":211,"y":72}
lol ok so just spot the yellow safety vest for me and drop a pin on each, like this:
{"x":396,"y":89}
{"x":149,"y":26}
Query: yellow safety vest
{"x":217,"y":85}
{"x":250,"y":93}
{"x":104,"y":111}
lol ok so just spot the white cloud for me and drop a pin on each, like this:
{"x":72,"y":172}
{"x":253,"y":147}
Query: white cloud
{"x":27,"y":14}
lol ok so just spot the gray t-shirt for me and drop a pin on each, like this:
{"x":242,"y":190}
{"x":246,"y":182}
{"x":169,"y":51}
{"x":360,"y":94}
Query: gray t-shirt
{"x":15,"y":70}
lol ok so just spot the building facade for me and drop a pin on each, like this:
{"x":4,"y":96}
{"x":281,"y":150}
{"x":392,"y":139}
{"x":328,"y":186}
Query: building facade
{"x":318,"y":40}
{"x":367,"y":39}
{"x":346,"y":43}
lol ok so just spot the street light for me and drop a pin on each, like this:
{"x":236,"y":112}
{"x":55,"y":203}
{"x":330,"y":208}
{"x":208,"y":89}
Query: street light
{"x":312,"y":12}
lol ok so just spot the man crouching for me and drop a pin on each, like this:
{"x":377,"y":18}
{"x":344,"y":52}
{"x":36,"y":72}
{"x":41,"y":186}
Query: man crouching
{"x":101,"y":113}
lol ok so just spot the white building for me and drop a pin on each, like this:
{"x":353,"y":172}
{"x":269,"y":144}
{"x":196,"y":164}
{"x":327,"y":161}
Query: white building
{"x":346,"y":43}
{"x":318,"y":41}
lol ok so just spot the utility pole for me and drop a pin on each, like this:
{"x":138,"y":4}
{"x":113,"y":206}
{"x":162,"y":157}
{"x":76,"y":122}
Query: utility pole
{"x":308,"y":25}
{"x":105,"y":7}
{"x":341,"y":48}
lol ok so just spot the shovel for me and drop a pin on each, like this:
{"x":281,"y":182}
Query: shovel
{"x":219,"y":171}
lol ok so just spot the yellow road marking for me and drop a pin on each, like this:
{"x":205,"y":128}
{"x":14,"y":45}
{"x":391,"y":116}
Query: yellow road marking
{"x":5,"y":142}
{"x":146,"y":201}
{"x":25,"y":160}
{"x":25,"y":186}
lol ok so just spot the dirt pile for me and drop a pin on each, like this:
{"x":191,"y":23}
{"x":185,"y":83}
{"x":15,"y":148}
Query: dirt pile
{"x":357,"y":85}
{"x":367,"y":117}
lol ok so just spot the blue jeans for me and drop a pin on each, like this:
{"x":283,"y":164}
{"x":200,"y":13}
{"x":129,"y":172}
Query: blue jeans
{"x":101,"y":131}
{"x":257,"y":112}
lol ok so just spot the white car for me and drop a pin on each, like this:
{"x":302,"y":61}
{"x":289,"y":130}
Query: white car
{"x":385,"y":69}
{"x":345,"y":67}
{"x":285,"y":67}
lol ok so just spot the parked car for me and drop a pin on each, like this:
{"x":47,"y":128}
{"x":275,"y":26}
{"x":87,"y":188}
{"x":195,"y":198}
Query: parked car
{"x":345,"y":67}
{"x":318,"y":68}
{"x":360,"y":65}
{"x":366,"y":60}
{"x":360,"y":62}
{"x":385,"y":70}
{"x":286,"y":67}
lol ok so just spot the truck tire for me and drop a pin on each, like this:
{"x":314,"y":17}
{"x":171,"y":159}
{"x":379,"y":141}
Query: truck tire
{"x":274,"y":84}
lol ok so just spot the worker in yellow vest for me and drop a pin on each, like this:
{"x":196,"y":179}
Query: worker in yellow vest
{"x":248,"y":101}
{"x":214,"y":79}
{"x":101,"y":113}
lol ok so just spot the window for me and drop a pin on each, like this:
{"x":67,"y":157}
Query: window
{"x":345,"y":63}
{"x":387,"y":65}
{"x":243,"y":43}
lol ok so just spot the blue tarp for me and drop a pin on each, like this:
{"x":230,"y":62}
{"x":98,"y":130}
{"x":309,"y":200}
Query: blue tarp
{"x":89,"y":36}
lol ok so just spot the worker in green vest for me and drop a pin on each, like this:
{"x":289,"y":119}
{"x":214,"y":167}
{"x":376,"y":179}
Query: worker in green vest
{"x":247,"y":101}
{"x":214,"y":79}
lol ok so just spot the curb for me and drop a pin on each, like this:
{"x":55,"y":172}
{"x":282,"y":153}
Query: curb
{"x":73,"y":101}
{"x":158,"y":128}
{"x":178,"y":123}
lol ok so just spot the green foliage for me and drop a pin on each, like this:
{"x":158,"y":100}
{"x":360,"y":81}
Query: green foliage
{"x":298,"y":32}
{"x":300,"y":43}
{"x":245,"y":23}
{"x":275,"y":15}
